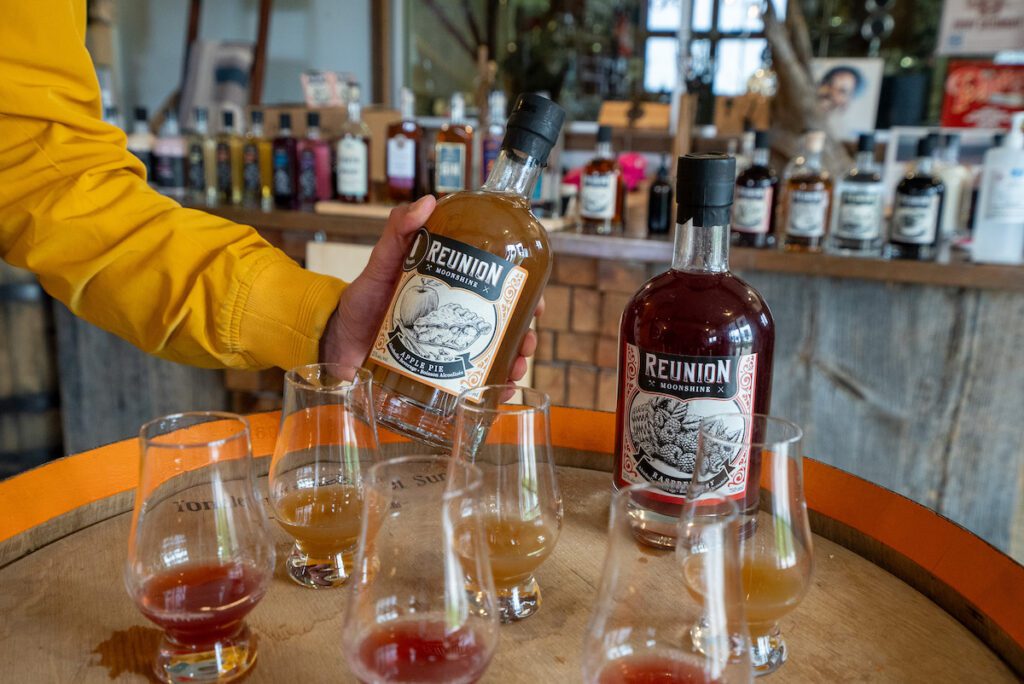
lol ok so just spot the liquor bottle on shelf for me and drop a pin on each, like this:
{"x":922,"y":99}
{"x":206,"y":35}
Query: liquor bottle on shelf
{"x":353,"y":156}
{"x":917,"y":208}
{"x":314,"y":164}
{"x":285,"y":165}
{"x":659,"y":202}
{"x":858,"y":212}
{"x":495,"y":133}
{"x":808,"y":194}
{"x":602,"y":190}
{"x":202,"y":161}
{"x":958,"y":181}
{"x":112,"y":116}
{"x":169,"y":153}
{"x":229,"y":160}
{"x":140,"y":143}
{"x":471,"y":282}
{"x":257,"y":166}
{"x":453,"y":151}
{"x":999,"y":228}
{"x":693,"y":341}
{"x":753,"y":211}
{"x":404,"y":164}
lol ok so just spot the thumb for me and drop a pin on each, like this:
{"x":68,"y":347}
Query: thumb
{"x":390,"y":250}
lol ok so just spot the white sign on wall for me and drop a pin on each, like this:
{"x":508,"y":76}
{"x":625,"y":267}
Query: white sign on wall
{"x":981,"y":27}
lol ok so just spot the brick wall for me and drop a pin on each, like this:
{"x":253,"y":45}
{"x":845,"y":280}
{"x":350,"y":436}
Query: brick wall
{"x":577,"y":354}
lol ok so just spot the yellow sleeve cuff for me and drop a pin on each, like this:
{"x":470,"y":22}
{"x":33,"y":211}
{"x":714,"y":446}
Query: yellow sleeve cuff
{"x":281,"y":314}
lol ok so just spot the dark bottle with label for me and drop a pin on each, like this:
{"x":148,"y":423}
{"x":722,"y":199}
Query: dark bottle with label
{"x":469,"y":287}
{"x":917,"y":209}
{"x":285,"y":161}
{"x":659,"y":203}
{"x":753,"y":209}
{"x":403,"y":154}
{"x":315,"y":173}
{"x":453,"y":151}
{"x":858,"y":211}
{"x":694,"y":341}
{"x":602,"y":190}
{"x":229,"y":161}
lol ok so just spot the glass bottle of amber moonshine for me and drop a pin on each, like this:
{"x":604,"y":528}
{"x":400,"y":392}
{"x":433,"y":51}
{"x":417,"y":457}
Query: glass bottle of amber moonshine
{"x":469,"y":287}
{"x":694,"y":341}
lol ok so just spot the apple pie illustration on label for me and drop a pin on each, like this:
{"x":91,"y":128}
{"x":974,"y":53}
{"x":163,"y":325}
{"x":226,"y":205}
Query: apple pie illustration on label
{"x":449,"y":313}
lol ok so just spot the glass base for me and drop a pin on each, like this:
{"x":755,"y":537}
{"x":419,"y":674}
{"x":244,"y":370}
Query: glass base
{"x":393,"y":411}
{"x":318,"y":573}
{"x":652,"y":528}
{"x":224,"y":661}
{"x":518,"y":602}
{"x":767,"y":651}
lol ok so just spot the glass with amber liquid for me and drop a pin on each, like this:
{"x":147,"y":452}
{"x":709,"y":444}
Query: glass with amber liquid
{"x":404,"y":155}
{"x":804,"y":211}
{"x":775,"y":536}
{"x":695,"y":340}
{"x":469,"y":287}
{"x":327,"y":440}
{"x":504,"y":430}
{"x":453,"y":151}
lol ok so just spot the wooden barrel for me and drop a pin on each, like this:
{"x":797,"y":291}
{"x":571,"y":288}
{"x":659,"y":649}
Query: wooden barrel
{"x":899,"y":594}
{"x":30,"y":432}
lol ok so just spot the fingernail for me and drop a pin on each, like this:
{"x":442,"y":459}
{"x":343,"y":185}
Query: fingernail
{"x":419,"y":203}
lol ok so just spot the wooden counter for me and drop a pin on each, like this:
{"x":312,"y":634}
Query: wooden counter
{"x":897,"y":595}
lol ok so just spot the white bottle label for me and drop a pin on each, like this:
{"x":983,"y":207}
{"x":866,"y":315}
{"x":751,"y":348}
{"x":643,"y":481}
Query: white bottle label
{"x":352,"y":167}
{"x":449,"y":167}
{"x":598,"y":195}
{"x":665,"y":397}
{"x":401,"y":159}
{"x":751,"y":210}
{"x":807,"y":213}
{"x":1006,"y":197}
{"x":449,"y":314}
{"x":860,"y":211}
{"x":915,"y":219}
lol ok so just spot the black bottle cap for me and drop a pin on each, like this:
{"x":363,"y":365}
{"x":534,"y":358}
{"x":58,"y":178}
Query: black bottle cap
{"x":762,"y":140}
{"x":951,"y":140}
{"x":604,"y":134}
{"x":256,"y":116}
{"x":997,"y":139}
{"x":313,"y":119}
{"x":704,"y":188}
{"x":533,"y":126}
{"x":228,"y":118}
{"x":284,"y":121}
{"x":926,"y":145}
{"x":866,"y":142}
{"x":141,"y":113}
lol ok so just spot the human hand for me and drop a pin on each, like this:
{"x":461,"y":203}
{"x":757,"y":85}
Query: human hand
{"x":362,"y":306}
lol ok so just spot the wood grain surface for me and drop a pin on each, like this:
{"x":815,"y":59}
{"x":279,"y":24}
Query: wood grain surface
{"x":67,"y":617}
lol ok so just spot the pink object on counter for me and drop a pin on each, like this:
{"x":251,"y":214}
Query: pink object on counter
{"x":633,"y":165}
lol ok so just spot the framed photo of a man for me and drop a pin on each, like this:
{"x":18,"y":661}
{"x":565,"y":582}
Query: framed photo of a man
{"x":848,"y":90}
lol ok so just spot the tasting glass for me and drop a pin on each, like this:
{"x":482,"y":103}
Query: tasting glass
{"x":327,"y":441}
{"x":775,"y":536}
{"x":411,"y":614}
{"x":199,"y":553}
{"x":640,"y":630}
{"x":505,"y":431}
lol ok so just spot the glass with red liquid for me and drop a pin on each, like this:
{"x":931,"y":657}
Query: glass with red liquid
{"x":421,"y":604}
{"x":640,"y":631}
{"x":199,"y":553}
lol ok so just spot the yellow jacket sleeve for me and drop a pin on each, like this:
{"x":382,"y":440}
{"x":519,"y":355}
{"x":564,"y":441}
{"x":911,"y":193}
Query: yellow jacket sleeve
{"x":75,"y":209}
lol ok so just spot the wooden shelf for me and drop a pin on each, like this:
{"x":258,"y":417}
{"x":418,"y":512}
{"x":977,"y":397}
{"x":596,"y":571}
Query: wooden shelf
{"x":363,"y":224}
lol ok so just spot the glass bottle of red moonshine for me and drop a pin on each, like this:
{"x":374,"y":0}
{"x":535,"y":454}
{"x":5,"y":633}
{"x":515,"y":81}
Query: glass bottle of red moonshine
{"x":469,"y":286}
{"x":694,"y":341}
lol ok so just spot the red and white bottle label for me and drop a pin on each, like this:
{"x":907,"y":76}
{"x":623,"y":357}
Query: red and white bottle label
{"x":665,"y":398}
